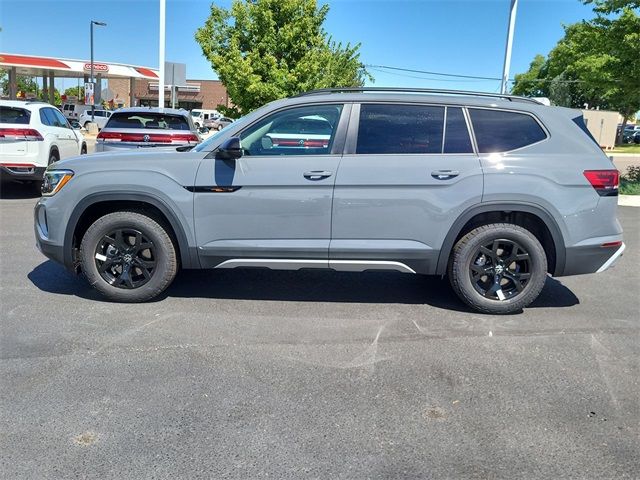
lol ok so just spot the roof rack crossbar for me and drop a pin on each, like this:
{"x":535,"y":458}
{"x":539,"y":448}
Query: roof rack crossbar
{"x":320,"y":91}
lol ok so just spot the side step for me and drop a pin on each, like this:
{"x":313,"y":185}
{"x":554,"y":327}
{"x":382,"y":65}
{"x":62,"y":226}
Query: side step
{"x":297,"y":264}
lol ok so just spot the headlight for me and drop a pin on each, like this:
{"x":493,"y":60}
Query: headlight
{"x":54,"y":180}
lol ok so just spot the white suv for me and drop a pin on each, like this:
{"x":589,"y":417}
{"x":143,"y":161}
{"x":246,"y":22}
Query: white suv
{"x":100,"y":117}
{"x":32,"y":136}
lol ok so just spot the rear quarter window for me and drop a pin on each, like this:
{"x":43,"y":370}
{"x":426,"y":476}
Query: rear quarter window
{"x":20,"y":116}
{"x":154,"y":121}
{"x":501,"y":131}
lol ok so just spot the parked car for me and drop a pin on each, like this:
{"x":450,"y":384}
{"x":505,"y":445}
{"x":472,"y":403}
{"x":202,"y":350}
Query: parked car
{"x":495,"y":191}
{"x":75,"y":124}
{"x":217,"y":123}
{"x":200,"y":116}
{"x":100,"y":117}
{"x":143,"y":127}
{"x":34,"y":135}
{"x":73,"y":110}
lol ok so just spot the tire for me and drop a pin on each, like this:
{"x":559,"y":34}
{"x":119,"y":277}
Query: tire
{"x":85,"y":124}
{"x":219,"y":127}
{"x":83,"y":150}
{"x":113,"y":282}
{"x":498,"y":268}
{"x":53,"y":157}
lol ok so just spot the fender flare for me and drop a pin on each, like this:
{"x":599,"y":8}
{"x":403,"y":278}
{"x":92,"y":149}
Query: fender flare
{"x":188,"y":257}
{"x":541,"y":213}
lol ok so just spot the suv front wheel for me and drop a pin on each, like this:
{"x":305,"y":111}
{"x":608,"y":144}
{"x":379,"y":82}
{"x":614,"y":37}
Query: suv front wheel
{"x":128,"y":257}
{"x":499,"y":268}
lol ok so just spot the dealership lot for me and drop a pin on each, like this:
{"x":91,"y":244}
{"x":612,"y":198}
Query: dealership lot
{"x":250,"y":374}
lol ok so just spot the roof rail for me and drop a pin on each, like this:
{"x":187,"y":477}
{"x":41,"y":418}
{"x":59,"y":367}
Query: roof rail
{"x":511,"y":98}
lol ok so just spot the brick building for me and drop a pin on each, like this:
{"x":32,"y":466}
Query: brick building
{"x":206,"y":94}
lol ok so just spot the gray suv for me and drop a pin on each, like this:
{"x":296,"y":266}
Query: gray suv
{"x":494,"y":191}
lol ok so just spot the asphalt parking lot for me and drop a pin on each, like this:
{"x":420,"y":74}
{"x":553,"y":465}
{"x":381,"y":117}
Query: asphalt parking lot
{"x":252,"y":374}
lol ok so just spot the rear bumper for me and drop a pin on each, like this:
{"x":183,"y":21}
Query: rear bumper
{"x":591,"y":259}
{"x":26,"y":173}
{"x":121,"y":147}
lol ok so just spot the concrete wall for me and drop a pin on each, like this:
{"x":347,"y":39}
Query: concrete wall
{"x":603,"y":126}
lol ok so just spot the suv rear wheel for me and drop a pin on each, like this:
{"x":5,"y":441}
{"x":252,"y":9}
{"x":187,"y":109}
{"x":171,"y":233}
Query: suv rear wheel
{"x":128,"y":257}
{"x":498,"y":268}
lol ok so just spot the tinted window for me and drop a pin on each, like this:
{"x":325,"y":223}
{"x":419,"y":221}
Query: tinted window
{"x":155,"y":121}
{"x":456,"y":137}
{"x":60,"y":120}
{"x":50,"y":115}
{"x":14,"y":115}
{"x":400,"y":129}
{"x":296,"y":131}
{"x":500,"y":131}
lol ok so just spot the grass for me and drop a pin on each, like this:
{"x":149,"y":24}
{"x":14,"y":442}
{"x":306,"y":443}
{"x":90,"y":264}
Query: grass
{"x":631,"y":148}
{"x":629,"y":188}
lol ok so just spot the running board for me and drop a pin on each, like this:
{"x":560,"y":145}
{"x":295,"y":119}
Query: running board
{"x":296,"y":264}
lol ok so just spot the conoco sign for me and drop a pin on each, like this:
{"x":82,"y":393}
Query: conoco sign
{"x":97,"y":67}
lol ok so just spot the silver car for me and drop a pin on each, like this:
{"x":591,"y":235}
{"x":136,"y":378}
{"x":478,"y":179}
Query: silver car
{"x":217,"y":123}
{"x":140,"y":127}
{"x":494,"y":191}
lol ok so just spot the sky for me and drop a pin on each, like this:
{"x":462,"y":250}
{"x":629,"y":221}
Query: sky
{"x":464,"y":37}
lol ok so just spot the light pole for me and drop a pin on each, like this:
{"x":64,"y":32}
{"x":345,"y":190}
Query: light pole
{"x":102,"y":24}
{"x":507,"y":50}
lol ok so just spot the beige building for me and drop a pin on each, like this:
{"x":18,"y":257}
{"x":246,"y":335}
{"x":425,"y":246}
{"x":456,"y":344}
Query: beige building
{"x":603,"y":125}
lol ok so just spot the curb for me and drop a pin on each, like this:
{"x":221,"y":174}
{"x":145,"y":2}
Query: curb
{"x":629,"y":200}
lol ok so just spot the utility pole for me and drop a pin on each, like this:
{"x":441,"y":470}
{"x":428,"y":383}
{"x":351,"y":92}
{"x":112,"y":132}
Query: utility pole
{"x":161,"y":56}
{"x":102,"y":24}
{"x":507,"y":51}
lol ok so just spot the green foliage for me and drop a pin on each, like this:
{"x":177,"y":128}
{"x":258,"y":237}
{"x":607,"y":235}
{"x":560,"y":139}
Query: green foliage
{"x":533,"y":83}
{"x":597,"y":62}
{"x":612,"y":6}
{"x":75,"y":91}
{"x":263,"y":50}
{"x":633,"y":174}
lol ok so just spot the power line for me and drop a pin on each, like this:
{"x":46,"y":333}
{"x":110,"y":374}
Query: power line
{"x":440,"y":74}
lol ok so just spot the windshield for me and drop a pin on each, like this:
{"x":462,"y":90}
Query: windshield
{"x":209,"y":143}
{"x":196,"y":113}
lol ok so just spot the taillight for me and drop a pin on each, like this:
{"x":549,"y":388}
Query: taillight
{"x":20,"y":134}
{"x":147,"y":137}
{"x":605,"y":182}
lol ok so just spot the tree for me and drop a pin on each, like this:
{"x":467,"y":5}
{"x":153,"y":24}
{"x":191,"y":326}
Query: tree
{"x":75,"y":92}
{"x":533,"y":83}
{"x":596,"y":62}
{"x":263,"y":50}
{"x":24,"y":84}
{"x":612,"y":6}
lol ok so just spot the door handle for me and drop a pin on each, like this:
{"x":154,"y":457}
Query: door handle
{"x":444,"y":174}
{"x":317,"y":174}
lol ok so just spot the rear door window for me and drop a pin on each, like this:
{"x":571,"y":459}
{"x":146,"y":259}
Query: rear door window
{"x":398,"y":129}
{"x":20,"y":116}
{"x":150,"y":120}
{"x":456,"y":137}
{"x":501,"y":131}
{"x":50,"y":115}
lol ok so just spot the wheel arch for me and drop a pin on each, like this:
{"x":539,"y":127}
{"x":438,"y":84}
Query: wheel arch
{"x":507,"y":212}
{"x":114,"y":201}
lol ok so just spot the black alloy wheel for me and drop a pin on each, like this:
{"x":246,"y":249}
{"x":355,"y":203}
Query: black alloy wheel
{"x":126,"y":258}
{"x":500,"y":269}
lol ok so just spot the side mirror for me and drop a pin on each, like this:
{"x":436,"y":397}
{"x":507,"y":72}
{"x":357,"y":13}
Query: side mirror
{"x":230,"y":149}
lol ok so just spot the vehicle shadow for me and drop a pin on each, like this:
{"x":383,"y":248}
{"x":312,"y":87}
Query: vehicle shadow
{"x":299,"y":286}
{"x":18,"y":190}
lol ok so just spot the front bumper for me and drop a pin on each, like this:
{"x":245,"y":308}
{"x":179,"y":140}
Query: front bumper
{"x":49,"y":248}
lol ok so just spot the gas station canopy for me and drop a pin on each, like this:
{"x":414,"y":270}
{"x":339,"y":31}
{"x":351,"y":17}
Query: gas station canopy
{"x":61,"y":67}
